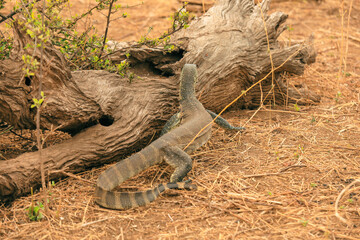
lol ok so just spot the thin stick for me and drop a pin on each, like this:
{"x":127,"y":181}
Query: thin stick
{"x":13,"y":132}
{"x":107,"y":27}
{"x":340,"y":74}
{"x":272,"y":174}
{"x":72,"y":175}
{"x":97,"y":221}
{"x":38,"y":112}
{"x":85,"y":210}
{"x":10,"y":15}
{"x":338,"y":200}
{"x":269,"y":51}
{"x":8,"y":129}
{"x":232,"y":214}
{"x":347,"y":36}
{"x":238,"y":97}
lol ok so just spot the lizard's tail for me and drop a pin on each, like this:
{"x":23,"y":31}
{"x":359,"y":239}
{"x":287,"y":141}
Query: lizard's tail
{"x":125,"y":200}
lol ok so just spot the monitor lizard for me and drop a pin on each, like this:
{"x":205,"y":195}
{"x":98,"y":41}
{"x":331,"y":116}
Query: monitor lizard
{"x":177,"y":133}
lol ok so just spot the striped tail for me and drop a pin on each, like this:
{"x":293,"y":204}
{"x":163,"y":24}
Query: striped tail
{"x":126,"y":200}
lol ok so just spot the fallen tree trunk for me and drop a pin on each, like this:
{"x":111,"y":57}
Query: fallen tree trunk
{"x":109,"y":117}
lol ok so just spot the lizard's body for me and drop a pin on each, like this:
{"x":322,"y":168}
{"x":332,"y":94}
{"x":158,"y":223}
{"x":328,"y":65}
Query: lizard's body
{"x":192,"y":118}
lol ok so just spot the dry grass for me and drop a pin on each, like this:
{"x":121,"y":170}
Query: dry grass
{"x":281,"y":179}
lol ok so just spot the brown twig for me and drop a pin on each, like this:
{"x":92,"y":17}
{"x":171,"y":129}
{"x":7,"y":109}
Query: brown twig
{"x":273,"y":174}
{"x":242,"y":94}
{"x":97,"y":221}
{"x":13,"y":13}
{"x":106,"y":28}
{"x":13,"y":132}
{"x":338,"y":200}
{"x":72,"y":176}
{"x":38,"y":113}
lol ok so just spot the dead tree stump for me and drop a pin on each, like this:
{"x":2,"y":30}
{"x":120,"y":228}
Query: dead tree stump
{"x":109,"y":117}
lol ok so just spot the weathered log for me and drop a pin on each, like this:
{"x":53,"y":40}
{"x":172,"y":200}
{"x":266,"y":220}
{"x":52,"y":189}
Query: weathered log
{"x":110,"y":117}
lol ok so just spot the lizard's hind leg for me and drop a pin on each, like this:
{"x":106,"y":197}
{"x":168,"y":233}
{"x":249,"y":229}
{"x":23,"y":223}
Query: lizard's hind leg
{"x":178,"y":159}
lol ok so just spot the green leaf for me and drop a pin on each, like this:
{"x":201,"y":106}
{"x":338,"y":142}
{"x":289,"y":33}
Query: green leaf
{"x":31,"y":33}
{"x":296,"y":107}
{"x":304,"y":222}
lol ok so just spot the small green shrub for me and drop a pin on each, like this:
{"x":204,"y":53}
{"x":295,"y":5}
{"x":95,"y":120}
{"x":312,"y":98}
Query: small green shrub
{"x":34,"y":211}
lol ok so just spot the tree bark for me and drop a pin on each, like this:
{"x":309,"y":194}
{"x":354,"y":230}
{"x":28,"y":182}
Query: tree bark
{"x":111,"y":117}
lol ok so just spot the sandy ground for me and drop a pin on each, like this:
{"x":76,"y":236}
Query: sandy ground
{"x":281,"y":179}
